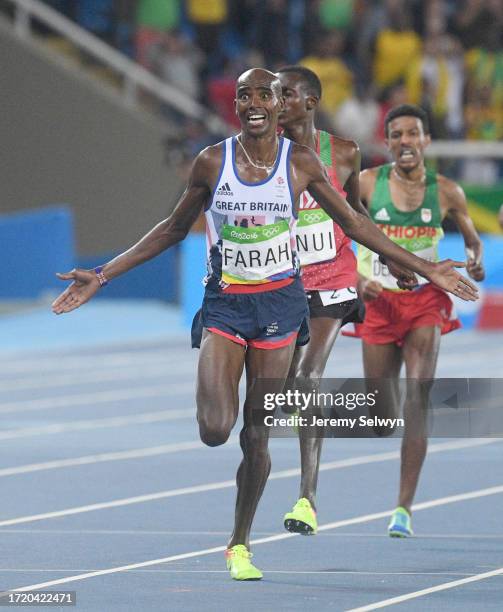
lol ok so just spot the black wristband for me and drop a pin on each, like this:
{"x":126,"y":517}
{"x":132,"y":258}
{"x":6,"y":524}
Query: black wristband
{"x":382,"y":260}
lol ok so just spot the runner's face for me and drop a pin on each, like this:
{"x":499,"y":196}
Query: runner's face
{"x":295,"y":97}
{"x":407,"y":141}
{"x":258,"y":102}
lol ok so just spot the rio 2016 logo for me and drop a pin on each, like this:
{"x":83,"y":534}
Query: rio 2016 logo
{"x":243,"y":236}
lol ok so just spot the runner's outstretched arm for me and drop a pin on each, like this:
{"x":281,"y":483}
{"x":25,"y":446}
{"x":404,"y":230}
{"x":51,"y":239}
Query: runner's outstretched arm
{"x":361,"y":229}
{"x":161,"y":237}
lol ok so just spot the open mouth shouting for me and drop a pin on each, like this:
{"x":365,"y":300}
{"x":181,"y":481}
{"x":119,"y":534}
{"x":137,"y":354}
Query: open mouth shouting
{"x":256,"y":119}
{"x":407,"y":154}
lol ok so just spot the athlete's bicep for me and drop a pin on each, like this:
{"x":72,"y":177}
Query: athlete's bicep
{"x":195,"y":196}
{"x":189,"y":207}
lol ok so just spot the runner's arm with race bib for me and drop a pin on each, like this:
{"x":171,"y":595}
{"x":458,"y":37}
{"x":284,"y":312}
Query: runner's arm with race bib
{"x":309,"y":173}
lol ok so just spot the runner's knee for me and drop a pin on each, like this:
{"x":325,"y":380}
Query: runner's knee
{"x":213,"y":433}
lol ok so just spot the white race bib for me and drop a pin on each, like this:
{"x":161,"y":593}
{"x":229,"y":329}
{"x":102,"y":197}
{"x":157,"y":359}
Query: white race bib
{"x":256,"y":253}
{"x":315,"y":236}
{"x":381,"y":274}
{"x":338,"y":296}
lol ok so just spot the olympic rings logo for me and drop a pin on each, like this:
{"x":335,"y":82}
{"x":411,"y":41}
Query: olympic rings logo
{"x":269,"y":233}
{"x":313,"y":217}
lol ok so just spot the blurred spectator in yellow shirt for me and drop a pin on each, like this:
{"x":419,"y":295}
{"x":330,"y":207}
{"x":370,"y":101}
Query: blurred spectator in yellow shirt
{"x":435,"y":81}
{"x":326,"y":61}
{"x":396,"y":46}
{"x":484,"y":120}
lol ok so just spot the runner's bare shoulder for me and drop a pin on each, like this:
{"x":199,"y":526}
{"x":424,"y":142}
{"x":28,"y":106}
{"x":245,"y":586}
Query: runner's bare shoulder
{"x":346,"y":150}
{"x":206,"y":166}
{"x":449,"y":189}
{"x":304,"y":159}
{"x":368,"y":179}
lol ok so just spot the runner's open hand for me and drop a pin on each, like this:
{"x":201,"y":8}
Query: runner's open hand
{"x":85,"y":285}
{"x":444,"y":275}
{"x":368,"y":290}
{"x":405,"y":278}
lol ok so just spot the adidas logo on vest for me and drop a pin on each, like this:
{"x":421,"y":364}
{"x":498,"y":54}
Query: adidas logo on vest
{"x":382,"y":215}
{"x":225,"y":190}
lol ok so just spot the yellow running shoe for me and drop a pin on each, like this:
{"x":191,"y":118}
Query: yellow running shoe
{"x":400,"y":524}
{"x":302,"y":519}
{"x":238,"y":563}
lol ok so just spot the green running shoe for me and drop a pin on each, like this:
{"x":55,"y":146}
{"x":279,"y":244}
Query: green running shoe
{"x":238,"y":563}
{"x":302,"y":518}
{"x":400,"y":524}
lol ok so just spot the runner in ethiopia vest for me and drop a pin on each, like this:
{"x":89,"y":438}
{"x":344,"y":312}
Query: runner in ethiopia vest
{"x":403,"y":328}
{"x":419,"y":231}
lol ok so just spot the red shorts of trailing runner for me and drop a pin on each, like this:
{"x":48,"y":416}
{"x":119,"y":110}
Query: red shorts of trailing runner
{"x":391,"y":316}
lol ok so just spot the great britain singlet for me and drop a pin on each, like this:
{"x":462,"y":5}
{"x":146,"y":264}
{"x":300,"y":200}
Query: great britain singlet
{"x":250,"y":227}
{"x":325,"y":253}
{"x":417,"y":231}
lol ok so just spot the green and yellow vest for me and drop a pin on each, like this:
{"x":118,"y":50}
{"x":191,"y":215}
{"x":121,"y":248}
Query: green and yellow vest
{"x":417,"y":231}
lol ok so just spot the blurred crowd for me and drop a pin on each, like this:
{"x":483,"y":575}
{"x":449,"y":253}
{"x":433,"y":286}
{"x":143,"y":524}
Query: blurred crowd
{"x":446,"y":55}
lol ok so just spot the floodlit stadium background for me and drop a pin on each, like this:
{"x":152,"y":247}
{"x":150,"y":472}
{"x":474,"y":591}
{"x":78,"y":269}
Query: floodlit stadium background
{"x":106,"y":486}
{"x":107,"y":102}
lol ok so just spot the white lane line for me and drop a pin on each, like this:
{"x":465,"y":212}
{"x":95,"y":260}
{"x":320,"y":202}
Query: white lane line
{"x":275,"y":538}
{"x":433,"y":448}
{"x":103,"y":358}
{"x":98,"y":368}
{"x":138,"y":499}
{"x":146,"y":532}
{"x":97,"y":397}
{"x":215,"y":486}
{"x":435,"y":589}
{"x":87,"y":424}
{"x":95,"y":360}
{"x":97,"y":375}
{"x":215,"y":571}
{"x":137,"y":453}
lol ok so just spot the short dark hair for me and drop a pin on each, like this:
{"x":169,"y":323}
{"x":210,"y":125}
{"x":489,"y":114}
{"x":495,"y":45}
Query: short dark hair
{"x":310,"y":80}
{"x":407,"y":110}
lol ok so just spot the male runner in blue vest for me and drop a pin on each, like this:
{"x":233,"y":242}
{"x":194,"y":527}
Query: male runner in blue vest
{"x":256,"y":329}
